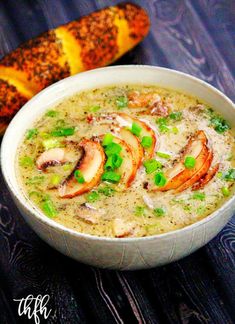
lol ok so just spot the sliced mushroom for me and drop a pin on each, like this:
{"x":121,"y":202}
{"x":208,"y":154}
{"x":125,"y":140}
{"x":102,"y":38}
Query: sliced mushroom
{"x":208,"y":176}
{"x":52,"y":157}
{"x":179,"y":175}
{"x":123,"y":228}
{"x":198,"y":175}
{"x":91,"y":167}
{"x":134,"y":143}
{"x":146,"y":131}
{"x":128,"y":167}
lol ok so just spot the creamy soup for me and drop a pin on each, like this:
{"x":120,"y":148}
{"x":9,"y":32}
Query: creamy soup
{"x":127,"y":161}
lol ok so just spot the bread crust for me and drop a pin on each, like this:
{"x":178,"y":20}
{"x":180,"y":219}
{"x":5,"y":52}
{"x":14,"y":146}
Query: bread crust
{"x":93,"y":41}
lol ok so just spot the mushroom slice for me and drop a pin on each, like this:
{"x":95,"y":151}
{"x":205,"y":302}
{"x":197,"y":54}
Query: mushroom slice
{"x":128,"y":167}
{"x":146,"y":131}
{"x":178,"y":175}
{"x":123,"y":228}
{"x":52,"y":157}
{"x":208,"y":176}
{"x":134,"y":143}
{"x":198,"y":175}
{"x":91,"y":167}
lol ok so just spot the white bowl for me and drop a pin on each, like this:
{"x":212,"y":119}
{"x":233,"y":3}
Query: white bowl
{"x":114,"y":253}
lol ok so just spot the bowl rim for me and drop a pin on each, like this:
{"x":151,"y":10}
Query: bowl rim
{"x":35,"y":212}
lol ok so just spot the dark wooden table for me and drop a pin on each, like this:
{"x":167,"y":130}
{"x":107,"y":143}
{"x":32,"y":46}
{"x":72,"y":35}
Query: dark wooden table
{"x":197,"y":37}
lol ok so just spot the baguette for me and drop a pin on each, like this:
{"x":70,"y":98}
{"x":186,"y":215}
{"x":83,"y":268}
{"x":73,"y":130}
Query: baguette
{"x":93,"y":41}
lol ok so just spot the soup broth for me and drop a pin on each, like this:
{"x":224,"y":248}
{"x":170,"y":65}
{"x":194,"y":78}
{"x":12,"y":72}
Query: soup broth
{"x":128,"y":161}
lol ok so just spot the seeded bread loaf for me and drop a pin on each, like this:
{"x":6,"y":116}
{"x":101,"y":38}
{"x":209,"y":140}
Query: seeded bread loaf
{"x":93,"y":41}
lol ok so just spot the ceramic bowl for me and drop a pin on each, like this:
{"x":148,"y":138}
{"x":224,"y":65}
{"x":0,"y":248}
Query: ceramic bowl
{"x":114,"y":253}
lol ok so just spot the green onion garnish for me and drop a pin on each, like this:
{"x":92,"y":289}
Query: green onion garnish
{"x":229,"y":175}
{"x":55,"y":179}
{"x":220,"y":124}
{"x":112,"y":148}
{"x":92,"y":196}
{"x":26,"y":161}
{"x":225,"y":191}
{"x":111,"y":176}
{"x":176,"y":115}
{"x":199,"y":196}
{"x":162,"y":121}
{"x":146,"y":141}
{"x":49,"y":208}
{"x":189,"y":162}
{"x":31,"y":133}
{"x":63,"y":132}
{"x":159,"y":179}
{"x":52,"y":113}
{"x":122,"y":102}
{"x":79,"y":176}
{"x":159,"y":212}
{"x":113,"y":162}
{"x":152,"y":165}
{"x":95,"y":108}
{"x":163,"y":155}
{"x":136,"y":129}
{"x":140,"y":210}
{"x":106,"y":191}
{"x":51,"y":143}
{"x":108,"y":138}
{"x":175,"y":130}
{"x":163,"y":129}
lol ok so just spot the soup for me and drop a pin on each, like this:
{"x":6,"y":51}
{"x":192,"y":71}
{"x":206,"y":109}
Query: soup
{"x":128,"y":161}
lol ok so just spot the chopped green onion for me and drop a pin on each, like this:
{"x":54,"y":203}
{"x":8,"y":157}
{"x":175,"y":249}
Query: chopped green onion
{"x":113,"y":148}
{"x":50,"y":143}
{"x":35,"y":180}
{"x":31,"y":133}
{"x":52,"y":113}
{"x":63,"y":132}
{"x":225,"y":191}
{"x":199,"y":196}
{"x":220,"y":124}
{"x":189,"y":162}
{"x":117,"y":160}
{"x":176,"y":115}
{"x":136,"y":129}
{"x":200,"y":210}
{"x":49,"y":208}
{"x":152,"y":165}
{"x":55,"y":179}
{"x":44,"y":135}
{"x":162,"y":121}
{"x":108,"y":138}
{"x":92,"y":196}
{"x":122,"y":102}
{"x":229,"y":175}
{"x":140,"y":210}
{"x":26,"y":161}
{"x":220,"y":175}
{"x":95,"y":108}
{"x":159,"y":211}
{"x":106,"y":191}
{"x":111,"y":176}
{"x":175,"y":130}
{"x":163,"y":129}
{"x":159,"y":179}
{"x":79,"y":176}
{"x":163,"y":155}
{"x":113,"y":162}
{"x":147,"y":141}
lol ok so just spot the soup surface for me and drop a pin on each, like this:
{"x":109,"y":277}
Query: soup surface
{"x":128,"y":161}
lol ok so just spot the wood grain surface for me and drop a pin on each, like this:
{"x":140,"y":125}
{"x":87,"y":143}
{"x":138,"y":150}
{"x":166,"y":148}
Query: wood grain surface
{"x":197,"y":37}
